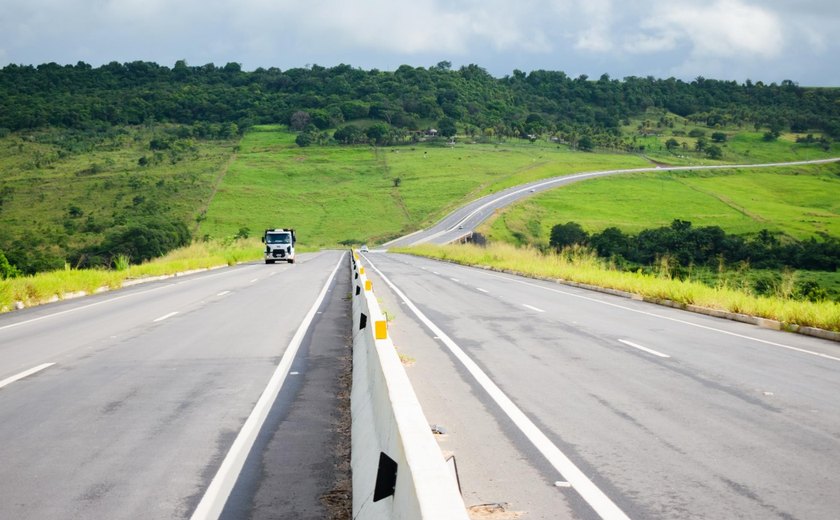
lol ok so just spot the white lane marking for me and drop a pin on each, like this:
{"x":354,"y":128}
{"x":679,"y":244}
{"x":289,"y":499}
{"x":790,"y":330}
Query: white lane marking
{"x":218,"y":491}
{"x":482,"y":290}
{"x":676,"y":320}
{"x":25,"y":373}
{"x":454,"y":280}
{"x":165,"y":316}
{"x":294,"y":373}
{"x":596,"y":498}
{"x":437,"y":273}
{"x":648,"y":350}
{"x":532,"y":307}
{"x":223,"y":293}
{"x":254,"y":280}
{"x":33,"y":320}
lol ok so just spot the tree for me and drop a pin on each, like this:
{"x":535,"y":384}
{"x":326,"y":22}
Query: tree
{"x":714,"y":152}
{"x":243,"y":233}
{"x":7,"y":270}
{"x":304,"y":139}
{"x":378,"y":133}
{"x":564,"y":235}
{"x":446,"y":127}
{"x":672,"y":143}
{"x":585,"y":143}
{"x":349,"y":134}
{"x":299,"y":120}
{"x":719,"y":137}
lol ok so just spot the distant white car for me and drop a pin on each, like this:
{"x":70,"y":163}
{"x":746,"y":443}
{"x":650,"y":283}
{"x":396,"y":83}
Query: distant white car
{"x":364,"y":249}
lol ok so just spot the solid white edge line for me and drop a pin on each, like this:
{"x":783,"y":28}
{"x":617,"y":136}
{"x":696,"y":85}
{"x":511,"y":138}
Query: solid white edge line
{"x":532,"y":307}
{"x":25,"y":373}
{"x":648,"y":350}
{"x":223,"y":293}
{"x":676,"y":320}
{"x":482,"y":290}
{"x":596,"y":498}
{"x":165,"y":316}
{"x":214,"y":499}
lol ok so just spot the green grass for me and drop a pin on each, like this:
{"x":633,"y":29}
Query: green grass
{"x":66,"y":189}
{"x":742,"y":145}
{"x":338,"y":194}
{"x":584,"y":267}
{"x":797,"y":201}
{"x":44,"y":287}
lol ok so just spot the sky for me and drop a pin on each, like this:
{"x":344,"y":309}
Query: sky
{"x":769,"y":40}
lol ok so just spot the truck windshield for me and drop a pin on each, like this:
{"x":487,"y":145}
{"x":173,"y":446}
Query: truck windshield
{"x":279,"y":238}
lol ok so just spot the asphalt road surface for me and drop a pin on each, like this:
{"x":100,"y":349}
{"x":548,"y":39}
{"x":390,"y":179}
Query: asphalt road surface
{"x":141,"y":393}
{"x":564,"y":403}
{"x":462,"y":221}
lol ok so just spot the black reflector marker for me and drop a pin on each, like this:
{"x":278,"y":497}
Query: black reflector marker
{"x":386,"y":478}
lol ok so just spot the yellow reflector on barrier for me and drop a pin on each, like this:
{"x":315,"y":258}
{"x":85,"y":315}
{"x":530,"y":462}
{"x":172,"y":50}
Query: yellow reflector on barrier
{"x":361,"y":270}
{"x":368,"y":285}
{"x":381,"y":329}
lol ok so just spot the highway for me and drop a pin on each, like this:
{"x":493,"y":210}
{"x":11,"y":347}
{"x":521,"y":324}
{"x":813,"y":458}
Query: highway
{"x":461,"y":222}
{"x":564,"y":403}
{"x":156,"y":401}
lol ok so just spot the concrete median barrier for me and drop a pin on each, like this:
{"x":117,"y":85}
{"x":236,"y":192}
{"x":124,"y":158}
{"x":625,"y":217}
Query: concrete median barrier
{"x":398,"y":469}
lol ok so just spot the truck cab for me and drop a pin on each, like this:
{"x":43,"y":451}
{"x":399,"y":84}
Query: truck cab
{"x":279,"y":245}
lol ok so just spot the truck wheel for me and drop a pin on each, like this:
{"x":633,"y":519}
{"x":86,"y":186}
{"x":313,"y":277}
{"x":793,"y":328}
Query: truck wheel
{"x":291,"y":260}
{"x":269,"y":261}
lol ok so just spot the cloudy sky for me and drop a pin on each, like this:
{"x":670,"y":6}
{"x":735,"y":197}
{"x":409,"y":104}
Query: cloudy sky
{"x":769,"y":40}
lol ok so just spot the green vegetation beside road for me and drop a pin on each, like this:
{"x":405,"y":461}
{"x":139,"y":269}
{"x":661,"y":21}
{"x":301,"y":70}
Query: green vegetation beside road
{"x":799,"y":202}
{"x":779,"y":206}
{"x":339,"y":195}
{"x":82,"y":197}
{"x":58,"y":284}
{"x":582,"y":266}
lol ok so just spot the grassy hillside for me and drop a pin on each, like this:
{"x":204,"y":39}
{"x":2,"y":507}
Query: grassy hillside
{"x":62,"y":191}
{"x":335,"y":195}
{"x":798,"y":201}
{"x":648,"y":134}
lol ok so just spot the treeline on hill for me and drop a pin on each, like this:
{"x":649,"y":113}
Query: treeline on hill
{"x":683,"y":245}
{"x":409,"y":98}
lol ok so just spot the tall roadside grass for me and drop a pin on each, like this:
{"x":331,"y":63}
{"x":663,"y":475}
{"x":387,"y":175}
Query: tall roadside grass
{"x":583,"y":266}
{"x":55,"y":285}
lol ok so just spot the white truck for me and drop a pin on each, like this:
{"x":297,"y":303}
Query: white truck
{"x":279,"y":245}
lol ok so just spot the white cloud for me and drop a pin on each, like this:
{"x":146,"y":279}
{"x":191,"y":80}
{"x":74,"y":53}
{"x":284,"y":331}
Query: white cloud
{"x":761,"y":39}
{"x":597,"y":18}
{"x":649,"y":44}
{"x":724,"y":28}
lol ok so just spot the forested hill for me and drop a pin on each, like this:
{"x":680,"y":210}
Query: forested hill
{"x":81,"y":96}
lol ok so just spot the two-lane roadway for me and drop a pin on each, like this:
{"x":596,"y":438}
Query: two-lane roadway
{"x":143,"y":392}
{"x":564,"y":403}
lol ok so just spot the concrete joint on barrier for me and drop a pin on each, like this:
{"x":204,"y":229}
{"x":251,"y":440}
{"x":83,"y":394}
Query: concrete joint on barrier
{"x":387,"y":420}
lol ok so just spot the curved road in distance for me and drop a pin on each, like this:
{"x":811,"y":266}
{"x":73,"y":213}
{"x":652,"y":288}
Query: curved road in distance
{"x":462,"y":221}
